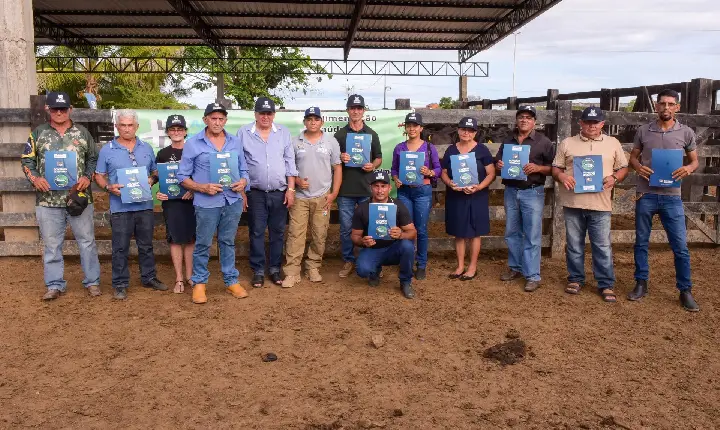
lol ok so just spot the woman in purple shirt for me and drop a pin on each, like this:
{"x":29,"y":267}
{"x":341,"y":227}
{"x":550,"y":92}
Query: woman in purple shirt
{"x":416,"y":197}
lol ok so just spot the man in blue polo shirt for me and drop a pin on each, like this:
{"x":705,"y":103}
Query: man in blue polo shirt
{"x":217,"y":208}
{"x":126,"y":151}
{"x":271,"y":163}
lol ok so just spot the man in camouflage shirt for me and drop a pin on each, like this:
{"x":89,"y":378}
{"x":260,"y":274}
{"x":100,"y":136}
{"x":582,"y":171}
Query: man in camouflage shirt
{"x":61,"y":134}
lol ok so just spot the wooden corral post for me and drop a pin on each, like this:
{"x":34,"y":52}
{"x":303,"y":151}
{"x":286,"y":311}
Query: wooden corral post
{"x":552,"y":98}
{"x":402,"y":104}
{"x":486,"y":104}
{"x":512,"y":103}
{"x":564,"y":123}
{"x":699,"y":102}
{"x":463,"y":92}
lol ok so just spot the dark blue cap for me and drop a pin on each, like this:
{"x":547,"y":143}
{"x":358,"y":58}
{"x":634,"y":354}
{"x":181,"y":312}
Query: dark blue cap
{"x":57,"y":100}
{"x":592,"y":113}
{"x":414,"y":118}
{"x":380,"y":176}
{"x":313,"y":111}
{"x":528,"y":109}
{"x":175,"y":121}
{"x":468,"y":122}
{"x":264,"y":104}
{"x":214,"y":107}
{"x":355,"y":100}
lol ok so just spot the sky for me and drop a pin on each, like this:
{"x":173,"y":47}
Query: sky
{"x":578,"y":45}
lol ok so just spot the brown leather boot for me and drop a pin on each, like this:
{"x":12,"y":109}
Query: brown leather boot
{"x":237,"y":291}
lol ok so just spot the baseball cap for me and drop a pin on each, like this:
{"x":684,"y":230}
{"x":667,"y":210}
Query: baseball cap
{"x":264,"y":104}
{"x":468,"y":122}
{"x":592,"y":113}
{"x":214,"y":107}
{"x":529,"y":109}
{"x":313,"y":111}
{"x":414,"y":118}
{"x":380,"y":176}
{"x":355,"y":100}
{"x":57,"y":100}
{"x":76,"y":202}
{"x":175,"y":121}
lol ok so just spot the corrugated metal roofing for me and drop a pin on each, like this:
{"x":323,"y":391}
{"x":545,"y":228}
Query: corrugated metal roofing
{"x":404,"y":24}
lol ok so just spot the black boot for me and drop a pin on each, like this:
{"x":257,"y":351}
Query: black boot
{"x":688,"y":302}
{"x":407,"y":290}
{"x":641,"y":289}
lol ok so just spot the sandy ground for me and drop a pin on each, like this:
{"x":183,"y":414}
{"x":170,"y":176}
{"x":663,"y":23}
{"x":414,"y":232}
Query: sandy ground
{"x":158,"y":361}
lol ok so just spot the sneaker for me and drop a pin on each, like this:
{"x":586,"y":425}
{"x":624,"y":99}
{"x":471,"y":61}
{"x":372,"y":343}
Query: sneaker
{"x":94,"y":291}
{"x":120,"y":294}
{"x":155,"y":284}
{"x":52,"y":294}
{"x":290,"y":281}
{"x":346,"y":269}
{"x":407,"y":290}
{"x":509,"y":275}
{"x":313,"y":275}
{"x":531,"y":286}
{"x":420,"y":273}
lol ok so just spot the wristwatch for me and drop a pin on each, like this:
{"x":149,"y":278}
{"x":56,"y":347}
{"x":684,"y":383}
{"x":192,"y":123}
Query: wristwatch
{"x":616,"y":178}
{"x":105,"y":188}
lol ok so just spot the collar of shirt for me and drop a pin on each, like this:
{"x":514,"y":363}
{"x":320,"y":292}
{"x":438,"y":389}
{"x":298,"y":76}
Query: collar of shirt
{"x":203,"y":137}
{"x":654,"y":127}
{"x":114,"y":144}
{"x":362,"y":130}
{"x":587,"y":139}
{"x":301,"y":137}
{"x":531,"y":136}
{"x":253,"y":128}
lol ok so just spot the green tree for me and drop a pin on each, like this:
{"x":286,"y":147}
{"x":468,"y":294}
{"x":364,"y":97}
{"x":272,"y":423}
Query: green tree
{"x":284,"y":75}
{"x":447,"y":103}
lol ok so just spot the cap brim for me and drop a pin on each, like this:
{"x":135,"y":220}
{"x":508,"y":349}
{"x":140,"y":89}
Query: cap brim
{"x":265,"y":110}
{"x":414,"y":122}
{"x":380,"y":180}
{"x":312,"y":114}
{"x":58,"y":105}
{"x":356,"y":105}
{"x":216,"y":110}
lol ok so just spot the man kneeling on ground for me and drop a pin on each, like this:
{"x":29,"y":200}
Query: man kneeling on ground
{"x":375,"y":253}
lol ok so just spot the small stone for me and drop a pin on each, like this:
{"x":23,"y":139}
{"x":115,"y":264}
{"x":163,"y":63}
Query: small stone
{"x":378,"y":340}
{"x":512,"y":334}
{"x":269,"y":357}
{"x":398,"y":412}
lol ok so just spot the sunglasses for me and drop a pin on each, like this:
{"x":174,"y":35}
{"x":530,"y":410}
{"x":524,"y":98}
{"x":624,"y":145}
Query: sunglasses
{"x":59,"y":110}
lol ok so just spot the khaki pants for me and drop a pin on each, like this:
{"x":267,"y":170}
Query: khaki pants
{"x":303,"y":213}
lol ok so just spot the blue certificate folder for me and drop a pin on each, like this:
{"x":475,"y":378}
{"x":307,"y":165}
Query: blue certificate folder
{"x":61,"y":169}
{"x":358,"y":146}
{"x":135,"y":184}
{"x":664,"y":163}
{"x":588,"y":173}
{"x":515,"y":157}
{"x":464,"y":169}
{"x":169,"y":183}
{"x":410,"y":164}
{"x":224,"y":168}
{"x":382,"y":219}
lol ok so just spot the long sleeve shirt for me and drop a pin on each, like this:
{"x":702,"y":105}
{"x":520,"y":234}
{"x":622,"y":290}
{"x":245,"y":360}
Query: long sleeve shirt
{"x":269,"y":163}
{"x":432,"y":159}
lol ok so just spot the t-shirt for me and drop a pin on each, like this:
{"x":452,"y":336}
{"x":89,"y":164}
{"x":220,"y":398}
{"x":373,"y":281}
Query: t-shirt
{"x":355,"y":181}
{"x":541,"y":153}
{"x":171,"y":155}
{"x":613,"y":159}
{"x":651,"y":136}
{"x":361,"y":218}
{"x":315,"y":161}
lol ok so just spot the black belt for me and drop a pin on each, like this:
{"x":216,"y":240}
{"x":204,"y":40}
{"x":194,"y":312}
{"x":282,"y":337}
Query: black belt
{"x":530,"y":186}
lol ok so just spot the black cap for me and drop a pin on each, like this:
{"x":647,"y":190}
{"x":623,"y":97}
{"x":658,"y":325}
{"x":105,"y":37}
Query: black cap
{"x":380,"y":176}
{"x":529,"y":109}
{"x":414,"y":118}
{"x":57,"y":100}
{"x":76,"y":202}
{"x":176,"y":121}
{"x":592,"y":113}
{"x":313,"y":111}
{"x":355,"y":100}
{"x":264,"y":104}
{"x":468,"y":122}
{"x":214,"y":107}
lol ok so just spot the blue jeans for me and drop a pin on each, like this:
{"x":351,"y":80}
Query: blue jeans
{"x":225,"y":222}
{"x":523,"y":229}
{"x":578,"y":222}
{"x":124,"y":225}
{"x":346,"y":207}
{"x":53,"y":222}
{"x":401,"y":253}
{"x":266,"y":211}
{"x":418,"y":201}
{"x":672,"y":216}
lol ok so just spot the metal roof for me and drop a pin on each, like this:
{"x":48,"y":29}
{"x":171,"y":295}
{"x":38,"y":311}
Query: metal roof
{"x":468,"y":26}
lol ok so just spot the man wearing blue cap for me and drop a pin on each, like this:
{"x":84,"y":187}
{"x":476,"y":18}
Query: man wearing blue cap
{"x":217,"y":208}
{"x":271,"y":165}
{"x":61,"y":136}
{"x":317,"y":157}
{"x":589,"y":213}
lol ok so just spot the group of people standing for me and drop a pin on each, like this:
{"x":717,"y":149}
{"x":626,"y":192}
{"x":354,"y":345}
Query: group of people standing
{"x":298,"y":178}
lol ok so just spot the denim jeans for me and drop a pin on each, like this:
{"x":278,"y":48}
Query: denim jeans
{"x":523,"y":229}
{"x":53,"y":222}
{"x":124,"y":225}
{"x":578,"y":222}
{"x":224,"y":221}
{"x":672,"y":216}
{"x":400,"y":253}
{"x":418,"y":201}
{"x":346,"y":207}
{"x":266,"y":211}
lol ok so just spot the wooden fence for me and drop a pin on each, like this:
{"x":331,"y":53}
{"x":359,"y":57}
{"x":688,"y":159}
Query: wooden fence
{"x":702,"y":213}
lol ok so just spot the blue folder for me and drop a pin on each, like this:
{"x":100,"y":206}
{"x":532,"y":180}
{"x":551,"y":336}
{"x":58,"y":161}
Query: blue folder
{"x":358,"y":146}
{"x":169,"y":183}
{"x":664,"y":163}
{"x":61,"y":170}
{"x":410,"y":164}
{"x":136,"y":187}
{"x":464,"y":169}
{"x":224,"y":168}
{"x":515,"y":157}
{"x":588,"y":173}
{"x":382,"y":217}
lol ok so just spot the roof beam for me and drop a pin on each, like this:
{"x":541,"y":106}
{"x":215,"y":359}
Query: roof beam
{"x":352,"y":30}
{"x":513,"y":20}
{"x":398,"y":37}
{"x":192,"y":17}
{"x":45,"y":28}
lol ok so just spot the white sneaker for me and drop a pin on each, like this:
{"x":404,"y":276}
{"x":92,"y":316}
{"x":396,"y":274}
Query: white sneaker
{"x":313,"y":275}
{"x":290,"y":281}
{"x":346,"y":269}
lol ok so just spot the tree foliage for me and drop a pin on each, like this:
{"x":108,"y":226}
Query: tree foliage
{"x":447,"y":103}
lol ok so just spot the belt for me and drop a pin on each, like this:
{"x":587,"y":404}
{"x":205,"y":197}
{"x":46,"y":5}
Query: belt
{"x":267,"y":191}
{"x":530,"y":186}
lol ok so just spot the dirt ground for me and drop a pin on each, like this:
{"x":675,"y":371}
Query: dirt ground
{"x":352,"y":357}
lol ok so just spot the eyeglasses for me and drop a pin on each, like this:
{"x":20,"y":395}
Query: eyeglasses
{"x":133,"y":159}
{"x":667,"y":104}
{"x":525,"y":118}
{"x":59,"y":110}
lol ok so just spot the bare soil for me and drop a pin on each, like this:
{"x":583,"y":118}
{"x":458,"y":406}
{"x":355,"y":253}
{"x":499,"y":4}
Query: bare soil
{"x":350,"y":356}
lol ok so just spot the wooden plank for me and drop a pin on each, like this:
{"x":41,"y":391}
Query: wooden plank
{"x":641,"y":118}
{"x":656,"y":236}
{"x":15,"y":115}
{"x":483,"y":116}
{"x":497,"y":213}
{"x":580,"y":95}
{"x":12,"y":150}
{"x":23,"y":115}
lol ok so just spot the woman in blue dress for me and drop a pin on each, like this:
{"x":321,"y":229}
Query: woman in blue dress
{"x":467,"y":211}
